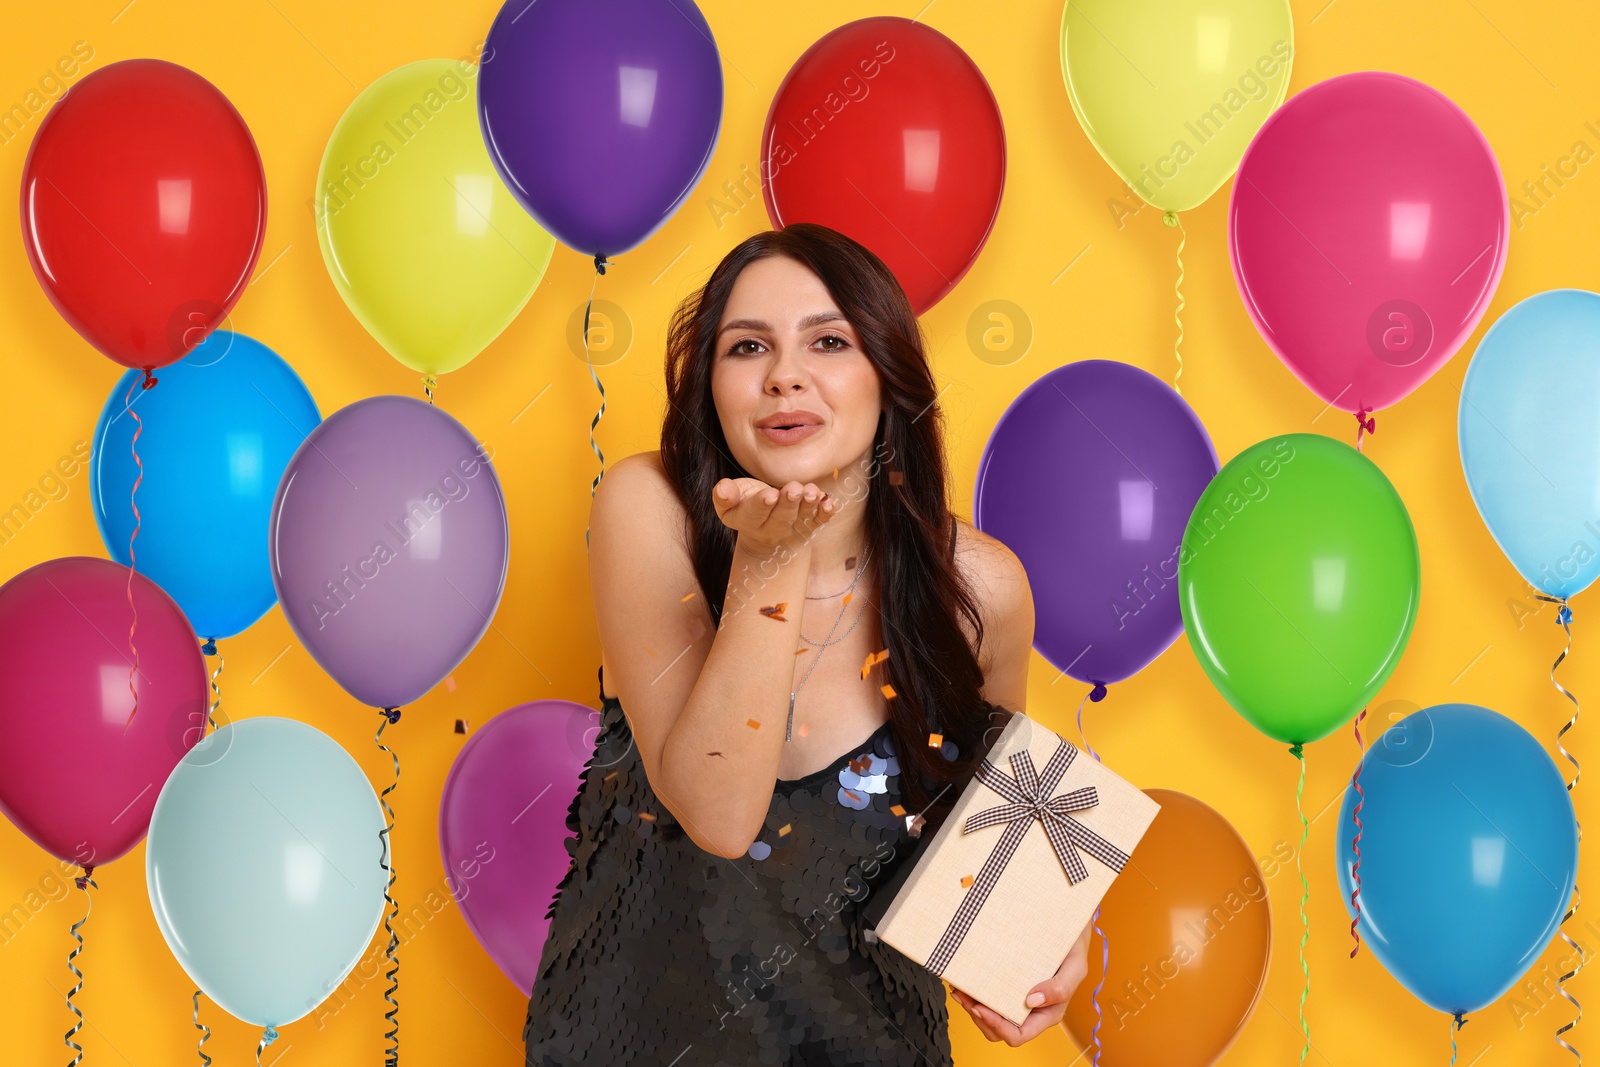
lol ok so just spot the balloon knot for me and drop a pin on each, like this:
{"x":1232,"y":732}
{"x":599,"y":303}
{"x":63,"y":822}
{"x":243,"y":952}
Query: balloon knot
{"x":1297,"y":751}
{"x":1461,"y":1020}
{"x":1098,"y":693}
{"x":1170,"y":218}
{"x":268,"y":1036}
{"x":600,"y":263}
{"x":149,"y":379}
{"x":1564,"y":616}
{"x":1365,"y":421}
{"x":83,"y":879}
{"x":210,"y":647}
{"x":392,"y":714}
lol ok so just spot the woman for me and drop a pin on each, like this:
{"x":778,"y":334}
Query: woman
{"x":787,"y":611}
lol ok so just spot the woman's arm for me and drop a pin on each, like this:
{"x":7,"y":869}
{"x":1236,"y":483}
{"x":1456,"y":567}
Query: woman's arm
{"x":707,"y":707}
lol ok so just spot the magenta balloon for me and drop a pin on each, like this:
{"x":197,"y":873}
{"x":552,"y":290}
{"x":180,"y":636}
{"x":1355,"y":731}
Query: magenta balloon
{"x":503,"y":826}
{"x":389,"y":547}
{"x":1368,"y":228}
{"x":76,"y":775}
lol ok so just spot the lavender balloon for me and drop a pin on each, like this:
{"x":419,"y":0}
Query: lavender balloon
{"x":600,"y":115}
{"x":389,"y":547}
{"x":503,"y":826}
{"x":1090,"y":477}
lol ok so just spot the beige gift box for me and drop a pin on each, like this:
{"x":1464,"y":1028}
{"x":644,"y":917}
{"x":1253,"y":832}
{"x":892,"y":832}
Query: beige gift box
{"x":1017,"y":869}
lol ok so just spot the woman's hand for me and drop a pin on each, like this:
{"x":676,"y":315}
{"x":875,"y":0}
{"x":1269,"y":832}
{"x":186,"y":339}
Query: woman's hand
{"x":766,"y":517}
{"x":1048,"y":1001}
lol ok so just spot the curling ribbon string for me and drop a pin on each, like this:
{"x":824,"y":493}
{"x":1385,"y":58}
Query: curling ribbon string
{"x":429,"y":384}
{"x":268,"y":1036}
{"x":1171,"y":219}
{"x":1297,"y":751}
{"x":391,"y":908}
{"x":1564,"y":620}
{"x":599,"y":269}
{"x":133,"y":494}
{"x":1365,"y":423}
{"x":83,"y":882}
{"x":1355,"y":870}
{"x":210,"y":649}
{"x":205,"y":1032}
{"x":1105,"y":944}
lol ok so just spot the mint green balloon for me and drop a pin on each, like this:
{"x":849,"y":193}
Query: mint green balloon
{"x":263,"y":865}
{"x":1298,"y":579}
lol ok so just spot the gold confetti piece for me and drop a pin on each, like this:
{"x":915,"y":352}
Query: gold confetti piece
{"x":852,"y":794}
{"x":896,"y":477}
{"x":686,"y":599}
{"x":647,"y":816}
{"x":836,"y":474}
{"x":450,"y":683}
{"x":966,"y":881}
{"x":752,"y":724}
{"x":783,"y":831}
{"x":847,"y":598}
{"x":914,"y":825}
{"x":776,"y":611}
{"x":887,"y":690}
{"x":935,"y":740}
{"x":610,"y":776}
{"x":873,"y":659}
{"x":652,"y":652}
{"x":461,"y":726}
{"x":801,"y":651}
{"x":897,"y":809}
{"x":805,"y":728}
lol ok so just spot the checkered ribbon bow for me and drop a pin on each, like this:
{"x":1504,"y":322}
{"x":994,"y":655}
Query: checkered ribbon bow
{"x":1030,"y":796}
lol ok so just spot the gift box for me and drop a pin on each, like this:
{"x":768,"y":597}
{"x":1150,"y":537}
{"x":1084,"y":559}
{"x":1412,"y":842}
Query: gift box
{"x":997,"y":898}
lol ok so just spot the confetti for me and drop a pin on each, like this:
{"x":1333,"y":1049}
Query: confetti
{"x":852,"y":794}
{"x":935,"y":740}
{"x":686,"y":599}
{"x":610,"y":776}
{"x":896,"y":810}
{"x":461,"y":726}
{"x":861,"y":765}
{"x":887,"y":691}
{"x":873,"y":659}
{"x":653,"y":653}
{"x":896,"y":477}
{"x":805,"y":728}
{"x":450,"y":683}
{"x":914,"y":825}
{"x":836,"y":474}
{"x":783,"y":831}
{"x":847,"y":599}
{"x":752,"y":724}
{"x":801,"y":651}
{"x":776,"y":611}
{"x":966,"y":881}
{"x":647,"y":816}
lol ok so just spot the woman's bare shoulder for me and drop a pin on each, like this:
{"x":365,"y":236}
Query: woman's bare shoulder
{"x":994,"y":572}
{"x":999,"y":583}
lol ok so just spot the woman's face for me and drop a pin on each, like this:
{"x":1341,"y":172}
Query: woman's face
{"x":784,"y":347}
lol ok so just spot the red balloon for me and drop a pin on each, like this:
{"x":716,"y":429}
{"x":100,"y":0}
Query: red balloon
{"x":144,"y":206}
{"x":887,"y":132}
{"x":76,"y":775}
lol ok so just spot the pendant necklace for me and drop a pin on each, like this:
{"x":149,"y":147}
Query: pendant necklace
{"x":788,"y":731}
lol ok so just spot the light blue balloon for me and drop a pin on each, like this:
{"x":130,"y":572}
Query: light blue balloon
{"x":1469,"y":853}
{"x":1530,"y":438}
{"x":219,"y":427}
{"x":263,"y":865}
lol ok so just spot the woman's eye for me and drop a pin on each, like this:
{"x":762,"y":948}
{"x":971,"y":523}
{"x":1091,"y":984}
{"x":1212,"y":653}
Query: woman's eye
{"x":745,"y":348}
{"x":833,"y":343}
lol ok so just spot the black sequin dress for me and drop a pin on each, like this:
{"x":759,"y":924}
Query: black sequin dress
{"x":660,"y":952}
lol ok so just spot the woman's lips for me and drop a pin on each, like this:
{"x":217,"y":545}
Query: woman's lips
{"x":789,"y":435}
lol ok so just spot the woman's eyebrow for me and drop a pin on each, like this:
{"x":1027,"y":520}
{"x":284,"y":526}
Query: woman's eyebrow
{"x":816,"y":318}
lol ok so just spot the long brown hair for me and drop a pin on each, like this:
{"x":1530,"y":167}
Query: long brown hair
{"x":909,"y":527}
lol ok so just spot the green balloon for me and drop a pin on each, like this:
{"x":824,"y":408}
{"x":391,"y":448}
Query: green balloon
{"x":1298,"y":579}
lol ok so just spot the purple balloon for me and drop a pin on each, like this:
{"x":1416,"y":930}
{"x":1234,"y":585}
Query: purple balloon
{"x":503,"y":826}
{"x":1090,"y":477}
{"x":600,"y":115}
{"x":389,"y":547}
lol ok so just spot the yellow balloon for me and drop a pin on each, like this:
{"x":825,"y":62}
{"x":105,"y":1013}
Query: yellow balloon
{"x":1171,"y":91}
{"x":420,"y":235}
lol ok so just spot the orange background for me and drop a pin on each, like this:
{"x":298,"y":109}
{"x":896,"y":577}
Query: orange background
{"x":1089,"y":288}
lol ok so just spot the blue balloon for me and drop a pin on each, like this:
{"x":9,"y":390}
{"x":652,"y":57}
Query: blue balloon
{"x":219,"y":427}
{"x":1469,"y":853}
{"x":1530,"y":438}
{"x":264,"y":867}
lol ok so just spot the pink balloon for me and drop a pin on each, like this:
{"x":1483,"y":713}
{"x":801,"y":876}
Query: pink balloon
{"x":76,"y":775}
{"x":1368,"y":228}
{"x":503,"y":826}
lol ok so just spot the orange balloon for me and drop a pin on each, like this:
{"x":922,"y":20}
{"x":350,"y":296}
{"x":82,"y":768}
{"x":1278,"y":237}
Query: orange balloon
{"x":1190,"y":930}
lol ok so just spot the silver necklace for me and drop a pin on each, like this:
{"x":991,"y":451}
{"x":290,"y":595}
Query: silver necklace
{"x":788,"y":730}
